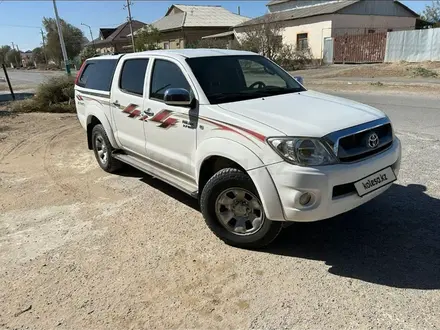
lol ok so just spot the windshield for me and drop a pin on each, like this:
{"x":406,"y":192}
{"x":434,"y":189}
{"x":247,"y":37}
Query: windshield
{"x":236,"y":78}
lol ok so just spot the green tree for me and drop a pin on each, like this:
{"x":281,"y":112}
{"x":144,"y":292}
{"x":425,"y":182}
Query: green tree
{"x":432,"y":13}
{"x":86,"y":53}
{"x":14,"y":57}
{"x":38,"y":55}
{"x":73,"y":38}
{"x":3,"y":51}
{"x":147,"y":38}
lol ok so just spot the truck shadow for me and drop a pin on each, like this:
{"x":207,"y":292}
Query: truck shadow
{"x":394,"y":240}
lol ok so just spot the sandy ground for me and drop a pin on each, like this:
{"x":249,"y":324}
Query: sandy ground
{"x":82,"y":249}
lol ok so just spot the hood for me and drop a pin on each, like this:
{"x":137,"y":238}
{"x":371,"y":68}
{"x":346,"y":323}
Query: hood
{"x":307,"y":113}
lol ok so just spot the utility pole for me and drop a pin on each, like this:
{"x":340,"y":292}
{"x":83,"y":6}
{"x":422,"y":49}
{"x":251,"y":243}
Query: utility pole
{"x":91,"y":35}
{"x":44,"y":45}
{"x":15,"y":57}
{"x":129,"y":23}
{"x":60,"y":35}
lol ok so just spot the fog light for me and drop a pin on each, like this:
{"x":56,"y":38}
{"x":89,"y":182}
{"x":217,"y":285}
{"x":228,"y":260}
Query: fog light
{"x":305,"y":199}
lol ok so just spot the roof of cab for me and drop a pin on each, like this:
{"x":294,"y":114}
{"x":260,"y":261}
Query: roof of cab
{"x":189,"y":53}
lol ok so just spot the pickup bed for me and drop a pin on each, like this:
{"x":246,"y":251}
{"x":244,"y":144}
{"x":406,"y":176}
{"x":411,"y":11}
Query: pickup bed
{"x":236,"y":131}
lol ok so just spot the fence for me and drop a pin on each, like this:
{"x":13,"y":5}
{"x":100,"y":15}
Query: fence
{"x":361,"y":48}
{"x":413,"y":46}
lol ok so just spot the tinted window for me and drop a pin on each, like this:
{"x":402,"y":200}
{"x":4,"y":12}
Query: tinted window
{"x":98,"y":75}
{"x":255,"y":73}
{"x":242,"y":77}
{"x":133,"y":76}
{"x":166,"y":75}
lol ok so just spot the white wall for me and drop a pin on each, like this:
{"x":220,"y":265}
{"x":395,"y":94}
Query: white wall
{"x":354,"y":24}
{"x":317,"y":28}
{"x":413,"y":46}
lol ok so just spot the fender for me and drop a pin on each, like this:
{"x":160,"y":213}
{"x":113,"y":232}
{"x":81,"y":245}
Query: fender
{"x":105,"y":121}
{"x":226,"y":148}
{"x":248,"y":160}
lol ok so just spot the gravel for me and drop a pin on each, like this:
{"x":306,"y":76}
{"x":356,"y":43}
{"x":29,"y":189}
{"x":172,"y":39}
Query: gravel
{"x":82,"y":249}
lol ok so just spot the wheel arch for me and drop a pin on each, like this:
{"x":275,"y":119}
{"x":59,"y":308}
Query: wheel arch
{"x":217,"y":153}
{"x":96,"y":118}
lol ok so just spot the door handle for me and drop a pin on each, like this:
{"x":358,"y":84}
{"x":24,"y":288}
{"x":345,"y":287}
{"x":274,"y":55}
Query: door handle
{"x":116,"y":104}
{"x":148,"y":112}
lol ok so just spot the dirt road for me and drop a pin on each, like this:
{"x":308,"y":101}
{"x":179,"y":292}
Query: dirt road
{"x":82,"y":249}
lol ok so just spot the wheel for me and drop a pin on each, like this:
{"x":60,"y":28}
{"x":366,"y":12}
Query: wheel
{"x":103,"y":150}
{"x":233,"y":211}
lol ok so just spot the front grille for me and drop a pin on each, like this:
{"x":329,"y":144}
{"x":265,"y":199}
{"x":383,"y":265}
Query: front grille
{"x":355,"y":147}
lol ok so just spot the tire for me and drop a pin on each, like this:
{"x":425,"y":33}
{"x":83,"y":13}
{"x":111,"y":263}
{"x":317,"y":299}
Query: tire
{"x":225,"y":185}
{"x":101,"y":144}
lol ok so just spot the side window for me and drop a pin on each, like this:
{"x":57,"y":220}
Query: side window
{"x":255,"y":73}
{"x":87,"y":72}
{"x":166,"y":75}
{"x":133,"y":76}
{"x":98,"y":75}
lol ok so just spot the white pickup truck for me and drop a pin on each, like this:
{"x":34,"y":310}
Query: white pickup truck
{"x":236,"y":131}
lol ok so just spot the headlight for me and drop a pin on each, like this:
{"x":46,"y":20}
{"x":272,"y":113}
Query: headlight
{"x":302,"y":151}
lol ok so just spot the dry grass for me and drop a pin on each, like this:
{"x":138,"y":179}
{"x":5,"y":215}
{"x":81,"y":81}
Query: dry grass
{"x":56,"y":95}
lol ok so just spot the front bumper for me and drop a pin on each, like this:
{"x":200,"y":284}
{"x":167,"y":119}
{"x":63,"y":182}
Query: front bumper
{"x":291,"y":181}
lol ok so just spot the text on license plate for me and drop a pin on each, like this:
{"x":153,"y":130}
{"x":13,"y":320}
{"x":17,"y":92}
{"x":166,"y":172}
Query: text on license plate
{"x":375,"y":181}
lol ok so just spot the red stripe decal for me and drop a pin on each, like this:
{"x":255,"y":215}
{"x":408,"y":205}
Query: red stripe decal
{"x":259,"y":136}
{"x":161,"y":115}
{"x":129,"y":108}
{"x":134,"y":113}
{"x":224,"y":127}
{"x":168,"y":122}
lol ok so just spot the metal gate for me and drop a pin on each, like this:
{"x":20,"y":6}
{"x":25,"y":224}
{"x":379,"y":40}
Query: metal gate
{"x":362,"y":48}
{"x":328,"y":51}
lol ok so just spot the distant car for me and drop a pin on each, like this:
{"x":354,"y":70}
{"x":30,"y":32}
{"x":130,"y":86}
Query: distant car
{"x":236,"y":131}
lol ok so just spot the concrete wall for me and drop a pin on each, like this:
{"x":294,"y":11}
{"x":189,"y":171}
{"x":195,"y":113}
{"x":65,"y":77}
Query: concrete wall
{"x":360,"y":24}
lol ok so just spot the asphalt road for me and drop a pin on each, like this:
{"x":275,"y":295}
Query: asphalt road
{"x":29,"y":78}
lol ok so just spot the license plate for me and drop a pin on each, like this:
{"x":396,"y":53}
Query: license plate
{"x":375,"y":181}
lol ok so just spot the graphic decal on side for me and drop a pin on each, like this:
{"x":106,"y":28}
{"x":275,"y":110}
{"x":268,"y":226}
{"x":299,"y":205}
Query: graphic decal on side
{"x":163,"y":117}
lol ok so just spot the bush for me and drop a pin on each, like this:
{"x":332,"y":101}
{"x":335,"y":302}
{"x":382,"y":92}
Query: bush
{"x":422,"y":72}
{"x":292,"y":59}
{"x":55,"y":95}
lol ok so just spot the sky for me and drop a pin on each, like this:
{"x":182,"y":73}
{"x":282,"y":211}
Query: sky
{"x":20,"y":21}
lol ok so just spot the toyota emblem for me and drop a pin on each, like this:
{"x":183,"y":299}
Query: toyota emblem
{"x":373,"y":141}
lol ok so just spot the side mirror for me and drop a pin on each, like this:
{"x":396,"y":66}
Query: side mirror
{"x":299,"y":79}
{"x":178,"y":97}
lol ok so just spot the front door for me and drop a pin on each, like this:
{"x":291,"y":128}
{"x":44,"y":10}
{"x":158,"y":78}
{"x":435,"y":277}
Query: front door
{"x":170,"y":130}
{"x":127,"y":102}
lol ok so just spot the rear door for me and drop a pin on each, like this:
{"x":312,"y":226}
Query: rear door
{"x":127,"y":102}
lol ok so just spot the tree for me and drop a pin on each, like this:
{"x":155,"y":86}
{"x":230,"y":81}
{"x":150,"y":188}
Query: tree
{"x":86,"y":53}
{"x":13,"y":57}
{"x":264,"y":37}
{"x":147,"y":38}
{"x":73,"y":38}
{"x":432,"y":13}
{"x":38,"y":55}
{"x":3,"y":51}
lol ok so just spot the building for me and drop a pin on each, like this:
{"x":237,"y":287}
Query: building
{"x":115,"y":40}
{"x":184,"y":25}
{"x":308,"y":23}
